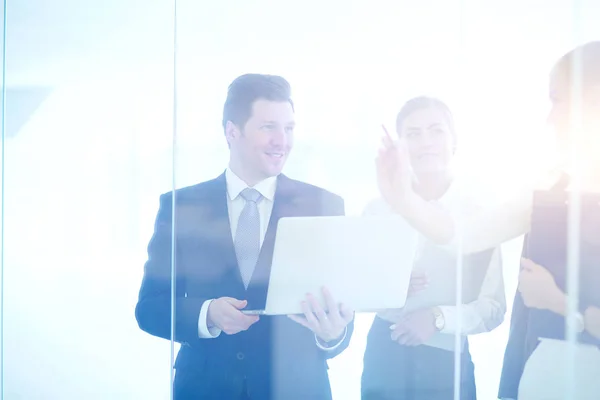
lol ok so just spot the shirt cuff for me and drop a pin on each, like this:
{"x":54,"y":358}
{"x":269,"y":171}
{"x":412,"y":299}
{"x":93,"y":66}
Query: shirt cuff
{"x":324,"y":346}
{"x":204,"y":332}
{"x":449,"y":314}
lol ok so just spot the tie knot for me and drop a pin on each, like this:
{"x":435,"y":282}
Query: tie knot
{"x":252,"y":195}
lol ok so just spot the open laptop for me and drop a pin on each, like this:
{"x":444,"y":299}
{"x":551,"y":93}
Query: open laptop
{"x":365,"y":262}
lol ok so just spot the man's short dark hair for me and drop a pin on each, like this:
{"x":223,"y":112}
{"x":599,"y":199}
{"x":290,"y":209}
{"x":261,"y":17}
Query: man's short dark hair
{"x":248,"y":88}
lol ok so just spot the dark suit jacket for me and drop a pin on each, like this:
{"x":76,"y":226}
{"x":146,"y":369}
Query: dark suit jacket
{"x":276,"y":358}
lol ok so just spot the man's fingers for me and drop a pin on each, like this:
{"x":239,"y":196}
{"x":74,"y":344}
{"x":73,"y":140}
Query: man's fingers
{"x":404,"y":338}
{"x":346,"y":313}
{"x":317,"y":309}
{"x":312,"y":321}
{"x":408,"y":337}
{"x":238,"y":320}
{"x":329,"y":302}
{"x":232,"y":327}
{"x":333,"y":308}
{"x":397,"y":330}
{"x":239,"y":304}
{"x":250,"y":320}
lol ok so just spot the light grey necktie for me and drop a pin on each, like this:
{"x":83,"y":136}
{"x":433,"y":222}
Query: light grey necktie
{"x":247,"y":236}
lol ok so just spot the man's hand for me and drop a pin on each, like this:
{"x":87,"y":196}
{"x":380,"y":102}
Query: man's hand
{"x":415,"y":328}
{"x":592,"y":321}
{"x":394,"y":174}
{"x":538,"y":288}
{"x":329,"y":324}
{"x":225,"y":314}
{"x":418,"y":282}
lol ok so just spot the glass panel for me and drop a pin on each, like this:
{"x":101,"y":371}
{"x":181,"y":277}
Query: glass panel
{"x":88,"y":149}
{"x":351,"y":68}
{"x":2,"y":115}
{"x":348,"y":73}
{"x":88,"y":125}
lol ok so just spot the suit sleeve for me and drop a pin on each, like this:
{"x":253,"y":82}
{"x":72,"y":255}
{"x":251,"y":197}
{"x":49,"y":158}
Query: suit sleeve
{"x":336,"y":207}
{"x":153,"y":310}
{"x":514,"y":355}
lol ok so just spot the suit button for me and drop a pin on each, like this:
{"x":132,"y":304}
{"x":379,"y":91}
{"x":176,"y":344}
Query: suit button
{"x":240,"y":356}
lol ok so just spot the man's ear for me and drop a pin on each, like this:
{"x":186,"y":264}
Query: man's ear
{"x":231,"y":132}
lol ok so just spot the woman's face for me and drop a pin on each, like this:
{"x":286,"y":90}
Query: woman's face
{"x":429,"y":139}
{"x":575,"y":120}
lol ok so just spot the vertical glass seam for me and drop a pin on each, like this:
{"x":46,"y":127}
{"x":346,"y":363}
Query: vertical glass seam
{"x":459,"y":225}
{"x":574,"y":208}
{"x":173,"y":208}
{"x":2,"y":204}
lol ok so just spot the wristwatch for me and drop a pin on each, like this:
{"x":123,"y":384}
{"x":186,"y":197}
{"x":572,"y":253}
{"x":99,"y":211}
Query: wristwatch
{"x":439,"y":320}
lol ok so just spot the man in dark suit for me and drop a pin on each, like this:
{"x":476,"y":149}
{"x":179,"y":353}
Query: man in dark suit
{"x":224,"y":236}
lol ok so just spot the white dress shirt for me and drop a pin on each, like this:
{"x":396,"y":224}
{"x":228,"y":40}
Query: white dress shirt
{"x":485,"y":313}
{"x":235,"y":205}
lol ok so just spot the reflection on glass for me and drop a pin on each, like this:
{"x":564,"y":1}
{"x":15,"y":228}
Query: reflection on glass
{"x":2,"y":115}
{"x":86,"y":156}
{"x":350,"y":71}
{"x":87,"y":150}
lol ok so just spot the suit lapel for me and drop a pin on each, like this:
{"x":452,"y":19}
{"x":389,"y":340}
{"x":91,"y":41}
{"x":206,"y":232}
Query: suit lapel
{"x":207,"y":217}
{"x":219,"y":228}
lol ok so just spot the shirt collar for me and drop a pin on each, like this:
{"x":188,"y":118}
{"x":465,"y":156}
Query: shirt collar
{"x":235,"y":185}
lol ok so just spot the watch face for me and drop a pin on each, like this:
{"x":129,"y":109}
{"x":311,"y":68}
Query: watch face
{"x":439,"y":322}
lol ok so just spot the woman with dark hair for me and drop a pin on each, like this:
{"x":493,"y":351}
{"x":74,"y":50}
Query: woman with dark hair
{"x":410,"y":352}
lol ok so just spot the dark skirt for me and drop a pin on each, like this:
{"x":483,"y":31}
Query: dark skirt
{"x":395,"y":372}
